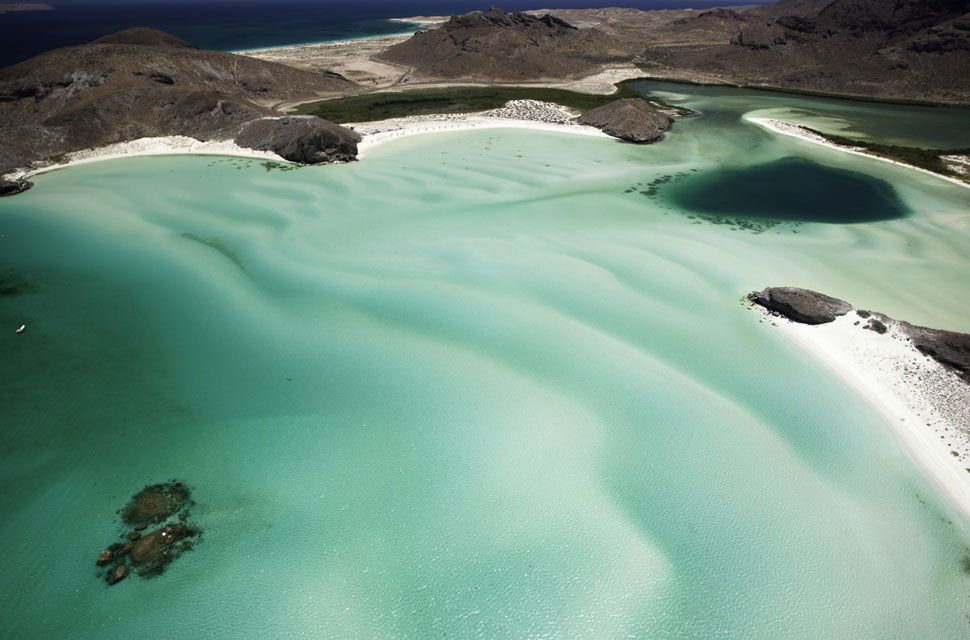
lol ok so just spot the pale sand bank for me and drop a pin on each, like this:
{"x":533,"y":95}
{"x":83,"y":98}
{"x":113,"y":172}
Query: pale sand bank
{"x":426,"y":20}
{"x":797,"y":131}
{"x":927,"y":405}
{"x":169,"y":145}
{"x":516,"y":114}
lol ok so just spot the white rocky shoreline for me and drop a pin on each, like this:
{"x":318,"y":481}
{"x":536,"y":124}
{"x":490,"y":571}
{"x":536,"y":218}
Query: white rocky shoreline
{"x":927,"y":404}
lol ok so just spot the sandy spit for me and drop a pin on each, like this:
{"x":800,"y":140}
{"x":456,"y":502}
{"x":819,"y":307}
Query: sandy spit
{"x":796,"y":131}
{"x":927,"y":405}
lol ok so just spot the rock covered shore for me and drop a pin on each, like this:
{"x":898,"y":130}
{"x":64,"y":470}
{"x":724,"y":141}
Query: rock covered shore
{"x":917,"y":376}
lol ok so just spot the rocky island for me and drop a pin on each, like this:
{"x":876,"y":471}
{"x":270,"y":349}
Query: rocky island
{"x":164,"y":506}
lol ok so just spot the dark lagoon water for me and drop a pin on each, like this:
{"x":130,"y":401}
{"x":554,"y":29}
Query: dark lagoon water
{"x":791,"y":189}
{"x":901,"y":124}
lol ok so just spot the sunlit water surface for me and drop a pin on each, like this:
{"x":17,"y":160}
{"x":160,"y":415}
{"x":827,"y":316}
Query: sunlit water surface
{"x":493,"y":384}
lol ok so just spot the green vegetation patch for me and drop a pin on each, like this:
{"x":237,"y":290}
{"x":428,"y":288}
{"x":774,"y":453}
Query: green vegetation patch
{"x":929,"y":159}
{"x":398,"y":104}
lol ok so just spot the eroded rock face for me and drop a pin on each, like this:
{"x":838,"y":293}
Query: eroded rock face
{"x":13,"y":187}
{"x":630,"y":119}
{"x":950,"y":349}
{"x":303,"y":139}
{"x":801,"y":305}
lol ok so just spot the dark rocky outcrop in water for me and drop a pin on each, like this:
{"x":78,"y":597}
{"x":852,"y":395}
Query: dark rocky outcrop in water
{"x":504,"y":46}
{"x":949,"y":348}
{"x":165,"y":505}
{"x":630,"y":119}
{"x":801,"y":305}
{"x":155,"y":504}
{"x":146,"y":83}
{"x":13,"y":187}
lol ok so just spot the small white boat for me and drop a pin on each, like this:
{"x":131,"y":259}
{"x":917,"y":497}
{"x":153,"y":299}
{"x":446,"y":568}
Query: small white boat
{"x":21,"y":328}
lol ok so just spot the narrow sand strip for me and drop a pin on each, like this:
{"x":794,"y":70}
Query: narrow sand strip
{"x":163,"y":146}
{"x":927,"y":405}
{"x":401,"y":128}
{"x":797,"y":131}
{"x":516,"y":114}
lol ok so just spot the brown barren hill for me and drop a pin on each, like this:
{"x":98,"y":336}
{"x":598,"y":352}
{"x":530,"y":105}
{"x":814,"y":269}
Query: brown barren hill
{"x":146,"y":83}
{"x":499,"y":46}
{"x":914,"y":49}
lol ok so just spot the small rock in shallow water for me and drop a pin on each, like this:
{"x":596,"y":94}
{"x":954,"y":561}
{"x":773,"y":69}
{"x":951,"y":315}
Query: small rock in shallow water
{"x":150,"y":553}
{"x":155,"y":503}
{"x":153,"y":552}
{"x":118,"y":574}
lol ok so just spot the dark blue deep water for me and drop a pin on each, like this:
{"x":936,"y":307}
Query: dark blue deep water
{"x":791,"y":189}
{"x":229,"y":25}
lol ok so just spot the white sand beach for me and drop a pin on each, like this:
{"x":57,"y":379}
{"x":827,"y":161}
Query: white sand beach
{"x":161,"y":146}
{"x":797,"y":131}
{"x":520,"y":114}
{"x":927,"y":405}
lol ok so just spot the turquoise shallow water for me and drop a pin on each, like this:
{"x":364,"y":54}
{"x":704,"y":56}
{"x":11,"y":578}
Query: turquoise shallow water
{"x":474,"y":386}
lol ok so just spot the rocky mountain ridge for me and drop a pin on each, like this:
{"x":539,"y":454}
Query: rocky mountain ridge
{"x":146,"y":83}
{"x":499,"y":46}
{"x":880,"y":48}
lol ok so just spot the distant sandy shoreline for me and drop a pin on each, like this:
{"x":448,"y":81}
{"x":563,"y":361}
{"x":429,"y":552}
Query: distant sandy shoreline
{"x":797,"y":131}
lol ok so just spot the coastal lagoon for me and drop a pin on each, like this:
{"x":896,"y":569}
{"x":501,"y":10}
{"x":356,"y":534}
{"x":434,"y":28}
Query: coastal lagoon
{"x":485,"y":384}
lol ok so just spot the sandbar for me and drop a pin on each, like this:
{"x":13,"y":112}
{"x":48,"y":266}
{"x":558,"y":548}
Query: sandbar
{"x":797,"y":131}
{"x":927,"y":405}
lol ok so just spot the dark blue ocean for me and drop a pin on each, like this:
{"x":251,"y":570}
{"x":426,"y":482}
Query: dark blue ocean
{"x":229,"y":25}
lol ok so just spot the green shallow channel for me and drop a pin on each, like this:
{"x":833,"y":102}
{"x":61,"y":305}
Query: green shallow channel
{"x":477,"y":385}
